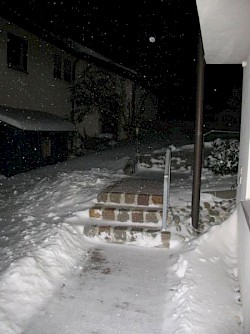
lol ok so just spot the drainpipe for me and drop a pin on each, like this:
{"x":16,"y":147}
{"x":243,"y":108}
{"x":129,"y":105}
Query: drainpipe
{"x":134,"y":124}
{"x":133,"y":105}
{"x":72,"y":116}
{"x":198,"y":147}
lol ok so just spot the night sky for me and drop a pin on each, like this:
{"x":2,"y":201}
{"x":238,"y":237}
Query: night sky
{"x":221,"y":81}
{"x":157,"y":38}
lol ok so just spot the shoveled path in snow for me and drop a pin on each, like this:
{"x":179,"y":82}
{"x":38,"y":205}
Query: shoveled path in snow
{"x":117,"y":289}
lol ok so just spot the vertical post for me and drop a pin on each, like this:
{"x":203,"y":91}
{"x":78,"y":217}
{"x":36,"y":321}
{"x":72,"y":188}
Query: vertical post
{"x":72,"y":114}
{"x":137,"y":144}
{"x":198,"y":136}
{"x":166,"y":189}
{"x":133,"y":115}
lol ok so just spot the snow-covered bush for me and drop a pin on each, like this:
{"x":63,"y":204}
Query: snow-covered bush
{"x":224,"y":157}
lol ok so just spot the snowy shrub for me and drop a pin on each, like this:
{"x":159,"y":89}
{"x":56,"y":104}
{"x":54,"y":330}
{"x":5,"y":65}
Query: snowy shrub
{"x":224,"y":157}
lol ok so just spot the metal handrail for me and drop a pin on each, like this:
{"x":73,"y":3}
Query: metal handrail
{"x":220,"y":131}
{"x":166,"y":189}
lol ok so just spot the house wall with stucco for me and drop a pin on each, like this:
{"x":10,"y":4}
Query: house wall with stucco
{"x":243,"y":194}
{"x":36,"y":88}
{"x":225,"y":27}
{"x":137,"y":105}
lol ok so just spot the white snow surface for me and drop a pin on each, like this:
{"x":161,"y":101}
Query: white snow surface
{"x":55,"y":280}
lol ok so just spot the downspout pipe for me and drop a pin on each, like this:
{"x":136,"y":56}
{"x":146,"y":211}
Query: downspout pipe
{"x":133,"y":111}
{"x":72,"y":115}
{"x":198,"y":146}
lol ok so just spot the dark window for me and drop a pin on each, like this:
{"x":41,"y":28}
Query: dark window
{"x":67,"y":70}
{"x":17,"y":52}
{"x":46,"y":147}
{"x":57,"y":66}
{"x":62,"y":68}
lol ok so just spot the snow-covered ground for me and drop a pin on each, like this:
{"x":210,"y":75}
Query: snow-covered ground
{"x":55,"y":280}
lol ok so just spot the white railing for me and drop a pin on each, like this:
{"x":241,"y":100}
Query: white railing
{"x":166,"y":189}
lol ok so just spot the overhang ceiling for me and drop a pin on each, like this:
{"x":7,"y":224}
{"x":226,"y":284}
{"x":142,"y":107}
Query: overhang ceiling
{"x":225,"y":29}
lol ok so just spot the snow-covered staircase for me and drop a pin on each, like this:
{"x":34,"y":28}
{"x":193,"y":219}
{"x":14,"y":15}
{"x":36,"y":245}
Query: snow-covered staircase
{"x":132,"y":208}
{"x":129,"y":210}
{"x":128,"y":207}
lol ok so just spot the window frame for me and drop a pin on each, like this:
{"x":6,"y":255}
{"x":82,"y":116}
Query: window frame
{"x":67,"y":70}
{"x":57,"y":72}
{"x":17,"y":52}
{"x":46,"y":147}
{"x":63,"y":68}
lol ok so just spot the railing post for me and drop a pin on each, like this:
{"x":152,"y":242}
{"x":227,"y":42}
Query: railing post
{"x":166,"y":189}
{"x":198,"y":147}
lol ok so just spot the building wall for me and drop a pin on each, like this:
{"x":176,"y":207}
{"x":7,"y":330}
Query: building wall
{"x":244,"y":162}
{"x":226,"y":40}
{"x":244,"y":266}
{"x":37,"y":89}
{"x":125,"y":90}
{"x":145,"y":105}
{"x":90,"y":125}
{"x":243,"y":193}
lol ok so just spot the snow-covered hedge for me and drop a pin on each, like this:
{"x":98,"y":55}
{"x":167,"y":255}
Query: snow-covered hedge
{"x":224,"y":157}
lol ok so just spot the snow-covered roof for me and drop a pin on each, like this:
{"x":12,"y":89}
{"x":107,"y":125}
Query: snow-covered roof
{"x":34,"y":120}
{"x":225,"y":27}
{"x":84,"y":50}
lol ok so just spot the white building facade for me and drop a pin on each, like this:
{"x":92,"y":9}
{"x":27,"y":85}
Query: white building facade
{"x":225,"y":27}
{"x":37,"y":74}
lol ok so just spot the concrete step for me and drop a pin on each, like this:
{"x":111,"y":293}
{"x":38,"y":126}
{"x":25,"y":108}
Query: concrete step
{"x":126,"y":213}
{"x":127,"y":234}
{"x":133,"y":191}
{"x":130,"y":198}
{"x":225,"y":194}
